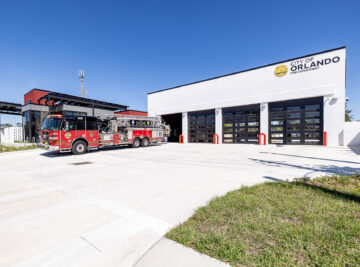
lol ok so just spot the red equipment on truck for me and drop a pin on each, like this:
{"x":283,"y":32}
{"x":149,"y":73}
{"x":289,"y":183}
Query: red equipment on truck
{"x":79,"y":134}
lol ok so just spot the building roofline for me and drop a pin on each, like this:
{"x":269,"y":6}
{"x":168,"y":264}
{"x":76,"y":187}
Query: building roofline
{"x":233,"y":73}
{"x":35,"y":104}
{"x":135,"y":110}
{"x":37,"y":90}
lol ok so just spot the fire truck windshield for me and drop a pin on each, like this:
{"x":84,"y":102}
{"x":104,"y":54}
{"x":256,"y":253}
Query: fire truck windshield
{"x":51,"y":124}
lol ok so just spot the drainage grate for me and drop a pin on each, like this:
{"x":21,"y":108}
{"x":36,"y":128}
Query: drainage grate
{"x":81,"y":163}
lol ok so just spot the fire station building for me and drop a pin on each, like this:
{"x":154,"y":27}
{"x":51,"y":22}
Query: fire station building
{"x":296,"y":101}
{"x":39,"y":103}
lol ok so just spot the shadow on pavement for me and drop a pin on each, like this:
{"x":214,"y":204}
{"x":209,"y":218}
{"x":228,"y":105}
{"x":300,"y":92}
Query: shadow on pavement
{"x":273,"y":179}
{"x":306,"y":157}
{"x":55,"y":154}
{"x":355,"y":149}
{"x":332,"y":169}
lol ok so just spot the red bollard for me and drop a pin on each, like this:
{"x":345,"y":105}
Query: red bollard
{"x":325,"y":138}
{"x":216,"y":139}
{"x":181,"y":139}
{"x":262,"y":134}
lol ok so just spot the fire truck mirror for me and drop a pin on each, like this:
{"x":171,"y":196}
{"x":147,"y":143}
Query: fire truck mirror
{"x":66,"y":126}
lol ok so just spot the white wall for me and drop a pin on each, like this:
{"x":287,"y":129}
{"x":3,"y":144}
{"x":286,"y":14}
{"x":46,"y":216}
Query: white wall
{"x":352,"y":133}
{"x":219,"y":123}
{"x":262,"y":86}
{"x":264,"y":121}
{"x":11,"y":134}
{"x":185,"y":124}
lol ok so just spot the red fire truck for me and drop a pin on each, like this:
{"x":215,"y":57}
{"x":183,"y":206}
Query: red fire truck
{"x":79,"y":134}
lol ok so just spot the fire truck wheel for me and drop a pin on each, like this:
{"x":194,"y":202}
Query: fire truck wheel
{"x":79,"y":148}
{"x":145,"y":142}
{"x":136,"y":143}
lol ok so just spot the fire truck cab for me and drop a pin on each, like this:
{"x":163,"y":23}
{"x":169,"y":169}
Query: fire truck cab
{"x":79,"y":134}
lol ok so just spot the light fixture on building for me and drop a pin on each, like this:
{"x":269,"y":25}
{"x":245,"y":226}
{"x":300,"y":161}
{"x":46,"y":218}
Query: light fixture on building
{"x":263,"y":106}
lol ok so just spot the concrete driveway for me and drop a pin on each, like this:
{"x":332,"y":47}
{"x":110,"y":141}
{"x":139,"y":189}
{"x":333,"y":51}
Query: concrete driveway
{"x":113,"y":207}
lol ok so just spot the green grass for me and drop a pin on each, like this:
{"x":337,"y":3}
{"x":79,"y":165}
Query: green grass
{"x":301,"y":223}
{"x":10,"y":149}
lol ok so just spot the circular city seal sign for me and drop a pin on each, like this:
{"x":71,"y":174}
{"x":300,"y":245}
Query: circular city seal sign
{"x":67,"y":135}
{"x":91,"y":135}
{"x":281,"y":70}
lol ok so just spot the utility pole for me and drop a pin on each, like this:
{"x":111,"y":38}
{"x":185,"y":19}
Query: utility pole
{"x":0,"y":129}
{"x":23,"y":128}
{"x":81,"y":76}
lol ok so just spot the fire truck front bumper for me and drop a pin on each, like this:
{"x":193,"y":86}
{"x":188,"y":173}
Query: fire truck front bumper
{"x":49,"y":147}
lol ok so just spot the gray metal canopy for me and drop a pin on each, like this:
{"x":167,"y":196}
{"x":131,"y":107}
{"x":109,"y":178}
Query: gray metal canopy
{"x":80,"y":101}
{"x":10,"y":108}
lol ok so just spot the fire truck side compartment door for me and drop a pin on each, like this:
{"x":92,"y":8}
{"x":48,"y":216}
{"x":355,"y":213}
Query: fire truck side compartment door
{"x":116,"y":139}
{"x":92,"y":132}
{"x":130,"y":134}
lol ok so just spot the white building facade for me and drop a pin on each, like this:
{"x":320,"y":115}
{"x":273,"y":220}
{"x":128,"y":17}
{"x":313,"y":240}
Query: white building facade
{"x":297,"y":101}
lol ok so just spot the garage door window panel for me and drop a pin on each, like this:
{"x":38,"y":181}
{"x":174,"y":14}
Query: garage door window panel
{"x":202,"y":126}
{"x":302,"y":118}
{"x":243,"y":121}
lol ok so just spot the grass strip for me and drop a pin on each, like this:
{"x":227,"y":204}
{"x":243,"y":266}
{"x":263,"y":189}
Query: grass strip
{"x":302,"y":223}
{"x":11,"y":149}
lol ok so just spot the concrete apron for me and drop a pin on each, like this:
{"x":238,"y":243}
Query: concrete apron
{"x":115,"y":210}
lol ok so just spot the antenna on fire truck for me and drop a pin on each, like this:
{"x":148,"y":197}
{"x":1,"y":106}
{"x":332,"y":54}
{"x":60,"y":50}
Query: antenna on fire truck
{"x":81,"y":76}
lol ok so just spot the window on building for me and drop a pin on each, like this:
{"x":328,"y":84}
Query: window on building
{"x":35,"y":116}
{"x":27,"y":116}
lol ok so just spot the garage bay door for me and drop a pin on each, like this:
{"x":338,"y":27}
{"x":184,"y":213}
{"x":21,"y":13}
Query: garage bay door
{"x":201,"y":126}
{"x":296,"y":122}
{"x":241,"y":124}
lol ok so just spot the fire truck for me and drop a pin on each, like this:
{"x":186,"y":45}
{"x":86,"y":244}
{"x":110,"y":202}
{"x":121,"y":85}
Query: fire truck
{"x":80,"y":134}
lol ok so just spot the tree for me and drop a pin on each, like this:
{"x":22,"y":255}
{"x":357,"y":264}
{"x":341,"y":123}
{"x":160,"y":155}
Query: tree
{"x":18,"y":124}
{"x":5,"y":125}
{"x":348,"y":116}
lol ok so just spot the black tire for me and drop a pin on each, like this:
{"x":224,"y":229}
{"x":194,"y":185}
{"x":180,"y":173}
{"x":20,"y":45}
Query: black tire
{"x":145,"y":142}
{"x":79,"y":148}
{"x":136,"y":143}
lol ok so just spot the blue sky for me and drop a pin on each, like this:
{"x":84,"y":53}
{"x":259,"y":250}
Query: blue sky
{"x":129,"y":48}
